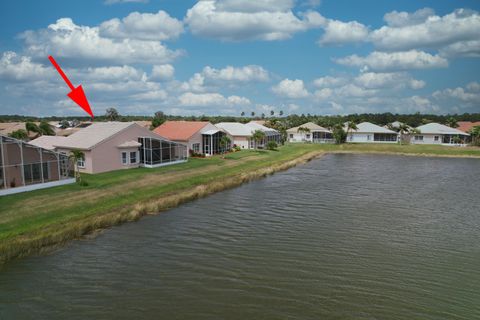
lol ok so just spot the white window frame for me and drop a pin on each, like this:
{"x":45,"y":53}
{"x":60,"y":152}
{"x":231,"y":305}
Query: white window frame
{"x":196,"y":147}
{"x":81,"y":162}
{"x":418,"y":138}
{"x":130,"y":157}
{"x":124,"y":161}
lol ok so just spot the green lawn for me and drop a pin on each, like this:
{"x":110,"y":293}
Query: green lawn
{"x":32,"y":220}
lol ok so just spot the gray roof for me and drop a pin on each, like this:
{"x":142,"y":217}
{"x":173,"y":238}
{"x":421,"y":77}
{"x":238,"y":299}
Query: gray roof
{"x":89,"y":137}
{"x":310,"y":125}
{"x":367,"y":127}
{"x":235,"y":128}
{"x":47,"y":142}
{"x":255,"y":126}
{"x":437,"y":128}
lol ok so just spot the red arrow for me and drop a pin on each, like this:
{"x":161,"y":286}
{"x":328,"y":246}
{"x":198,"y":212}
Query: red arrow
{"x":77,"y":94}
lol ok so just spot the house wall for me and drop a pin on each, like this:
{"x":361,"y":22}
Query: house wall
{"x":427,"y":139}
{"x":240,"y":141}
{"x":360,"y":137}
{"x":299,"y":137}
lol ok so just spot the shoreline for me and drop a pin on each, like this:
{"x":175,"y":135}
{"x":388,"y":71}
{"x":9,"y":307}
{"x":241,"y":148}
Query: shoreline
{"x":21,"y":247}
{"x":52,"y":237}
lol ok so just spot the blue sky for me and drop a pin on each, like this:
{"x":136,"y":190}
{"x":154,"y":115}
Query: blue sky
{"x":227,"y":56}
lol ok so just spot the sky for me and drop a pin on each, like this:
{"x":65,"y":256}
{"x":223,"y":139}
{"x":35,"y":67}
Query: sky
{"x":224,"y":57}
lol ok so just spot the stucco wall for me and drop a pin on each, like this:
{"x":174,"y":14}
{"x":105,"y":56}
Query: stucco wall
{"x":427,"y":139}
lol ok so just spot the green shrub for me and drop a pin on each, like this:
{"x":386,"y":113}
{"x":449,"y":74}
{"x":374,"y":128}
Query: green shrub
{"x":272,"y":145}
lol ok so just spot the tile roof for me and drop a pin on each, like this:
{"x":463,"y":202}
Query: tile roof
{"x":255,"y":126}
{"x":179,"y":130}
{"x":437,"y":128}
{"x":92,"y":135}
{"x":465,"y":126}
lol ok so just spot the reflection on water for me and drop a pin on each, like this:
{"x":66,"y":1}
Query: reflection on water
{"x":346,"y":236}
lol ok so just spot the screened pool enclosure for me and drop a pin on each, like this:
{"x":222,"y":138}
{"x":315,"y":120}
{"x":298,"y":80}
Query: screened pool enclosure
{"x":156,"y":152}
{"x":25,"y":167}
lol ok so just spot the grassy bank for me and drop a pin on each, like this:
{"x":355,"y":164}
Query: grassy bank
{"x":30,"y":222}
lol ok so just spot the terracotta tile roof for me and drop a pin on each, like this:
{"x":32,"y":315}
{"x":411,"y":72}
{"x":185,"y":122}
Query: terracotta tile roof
{"x":179,"y":130}
{"x":465,"y":126}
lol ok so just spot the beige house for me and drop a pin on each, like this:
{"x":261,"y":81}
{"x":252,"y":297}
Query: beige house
{"x":109,"y":146}
{"x":239,"y":133}
{"x":310,"y":132}
{"x":25,"y":167}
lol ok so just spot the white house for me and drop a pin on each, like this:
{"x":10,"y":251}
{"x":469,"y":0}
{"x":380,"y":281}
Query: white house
{"x":371,"y":133}
{"x":270,"y":134}
{"x":239,"y":133}
{"x":436,"y":133}
{"x":314,"y":133}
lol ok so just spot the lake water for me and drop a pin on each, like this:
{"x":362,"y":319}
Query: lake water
{"x":342,"y":237}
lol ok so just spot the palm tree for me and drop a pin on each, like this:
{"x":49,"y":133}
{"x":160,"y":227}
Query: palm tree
{"x":258,"y":136}
{"x":263,"y":115}
{"x":112,"y":114}
{"x":281,"y":113}
{"x":32,"y":127}
{"x":76,"y":155}
{"x":351,"y":125}
{"x":402,"y":129}
{"x":19,"y":134}
{"x":303,"y":130}
{"x":225,"y":141}
{"x":46,"y":129}
{"x":242,"y":114}
{"x":253,"y":113}
{"x":475,"y":134}
{"x":452,"y":122}
{"x":272,"y":113}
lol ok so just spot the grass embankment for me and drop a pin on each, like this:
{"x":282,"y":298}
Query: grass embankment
{"x":30,"y":222}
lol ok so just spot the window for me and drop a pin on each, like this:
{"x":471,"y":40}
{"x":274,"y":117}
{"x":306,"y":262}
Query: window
{"x":307,"y":136}
{"x":196,"y":147}
{"x":81,"y":162}
{"x":436,"y":138}
{"x":418,"y":138}
{"x":133,"y":157}
{"x":124,"y":158}
{"x":291,"y":136}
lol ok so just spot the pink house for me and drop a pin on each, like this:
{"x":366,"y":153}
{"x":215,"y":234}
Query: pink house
{"x":109,"y":146}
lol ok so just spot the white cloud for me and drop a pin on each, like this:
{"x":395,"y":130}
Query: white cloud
{"x":210,"y":99}
{"x":195,"y":83}
{"x":417,"y":84}
{"x":143,"y":26}
{"x":474,"y":86}
{"x":65,"y":39}
{"x":338,"y":32}
{"x":162,"y":72}
{"x":293,"y":89}
{"x":329,"y":82}
{"x":464,"y":95}
{"x":21,"y":68}
{"x":412,"y":59}
{"x":394,"y":80}
{"x":323,"y":94}
{"x":115,"y":73}
{"x":151,"y":95}
{"x":246,"y":20}
{"x":242,"y":74}
{"x":402,"y":19}
{"x":462,"y":49}
{"x":434,"y":32}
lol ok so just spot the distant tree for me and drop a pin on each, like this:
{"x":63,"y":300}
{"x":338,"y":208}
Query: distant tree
{"x":452,"y":122}
{"x":46,"y":129}
{"x":19,"y":134}
{"x":272,"y":113}
{"x":112,"y":114}
{"x":75,"y":156}
{"x":258,"y":136}
{"x":32,"y":127}
{"x":281,"y":113}
{"x":64,"y":124}
{"x":475,"y":135}
{"x":339,"y":134}
{"x":158,"y":119}
{"x":242,"y":114}
{"x":253,"y":113}
{"x":225,"y":141}
{"x":263,"y":115}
